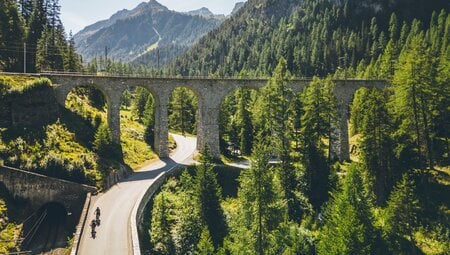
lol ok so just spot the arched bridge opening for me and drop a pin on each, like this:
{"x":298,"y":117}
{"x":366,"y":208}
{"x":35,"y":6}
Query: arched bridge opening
{"x":137,"y":125}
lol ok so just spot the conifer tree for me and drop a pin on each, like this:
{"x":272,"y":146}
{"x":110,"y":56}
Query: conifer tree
{"x":244,"y":123}
{"x":160,"y":233}
{"x":26,"y":8}
{"x":413,"y":93}
{"x":104,"y":145}
{"x":139,"y":103}
{"x":72,"y":61}
{"x":208,"y":195}
{"x":317,"y":120}
{"x":376,"y":144}
{"x":348,"y":219}
{"x":401,"y":216}
{"x":11,"y":37}
{"x":261,"y":210}
{"x":36,"y":26}
{"x":273,"y":118}
{"x":205,"y":245}
{"x":183,"y":111}
{"x":188,"y":225}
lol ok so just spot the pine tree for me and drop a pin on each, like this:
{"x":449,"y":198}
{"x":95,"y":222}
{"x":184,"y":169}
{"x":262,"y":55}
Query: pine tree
{"x":160,"y":233}
{"x":261,"y":210}
{"x":36,"y":26}
{"x":188,"y":225}
{"x":208,"y":195}
{"x":401,"y":216}
{"x":183,"y":111}
{"x":139,"y":103}
{"x":205,"y":245}
{"x":273,"y":118}
{"x":103,"y":144}
{"x":11,"y":37}
{"x":51,"y":49}
{"x":376,"y":144}
{"x":72,"y":61}
{"x":244,"y":123}
{"x":26,"y":8}
{"x":348,"y":220}
{"x":317,"y":120}
{"x":413,"y":94}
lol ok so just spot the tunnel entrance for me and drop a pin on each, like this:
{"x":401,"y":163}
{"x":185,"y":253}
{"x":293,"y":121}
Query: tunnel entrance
{"x":48,"y":230}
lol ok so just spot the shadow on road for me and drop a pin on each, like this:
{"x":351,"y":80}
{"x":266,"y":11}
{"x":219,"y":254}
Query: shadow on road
{"x":168,"y":164}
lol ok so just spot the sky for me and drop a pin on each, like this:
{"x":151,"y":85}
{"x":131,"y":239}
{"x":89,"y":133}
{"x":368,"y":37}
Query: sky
{"x":77,"y":14}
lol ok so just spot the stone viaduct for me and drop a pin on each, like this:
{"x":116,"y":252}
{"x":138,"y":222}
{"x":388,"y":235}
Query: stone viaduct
{"x":40,"y":190}
{"x":211,"y":93}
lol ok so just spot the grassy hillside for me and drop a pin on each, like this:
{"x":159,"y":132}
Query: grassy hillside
{"x":65,"y":148}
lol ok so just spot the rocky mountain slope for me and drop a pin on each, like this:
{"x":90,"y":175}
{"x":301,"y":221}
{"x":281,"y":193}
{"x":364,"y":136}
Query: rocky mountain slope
{"x":130,"y":34}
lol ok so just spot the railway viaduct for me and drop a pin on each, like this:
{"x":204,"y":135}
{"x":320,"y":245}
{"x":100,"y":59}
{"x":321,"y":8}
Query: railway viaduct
{"x":211,"y":93}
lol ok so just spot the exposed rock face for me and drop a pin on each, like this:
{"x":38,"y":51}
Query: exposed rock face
{"x":206,"y":13}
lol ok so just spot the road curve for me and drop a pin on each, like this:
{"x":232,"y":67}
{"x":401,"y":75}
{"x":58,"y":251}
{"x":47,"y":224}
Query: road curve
{"x":113,"y":234}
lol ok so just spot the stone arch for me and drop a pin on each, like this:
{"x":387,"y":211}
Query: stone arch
{"x":63,"y":91}
{"x":198,"y":98}
{"x":229,"y":143}
{"x":129,"y":115}
{"x":48,"y":230}
{"x":111,"y":95}
{"x":55,"y":206}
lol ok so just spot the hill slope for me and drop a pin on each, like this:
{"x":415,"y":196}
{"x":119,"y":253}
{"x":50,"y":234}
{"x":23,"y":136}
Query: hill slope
{"x":130,"y":34}
{"x":311,"y":35}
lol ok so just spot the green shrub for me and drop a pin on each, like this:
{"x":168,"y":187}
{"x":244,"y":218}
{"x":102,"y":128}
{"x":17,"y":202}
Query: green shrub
{"x":104,"y":145}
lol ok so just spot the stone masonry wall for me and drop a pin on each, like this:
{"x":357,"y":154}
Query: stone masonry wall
{"x":39,"y":190}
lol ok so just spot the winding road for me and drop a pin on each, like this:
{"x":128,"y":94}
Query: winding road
{"x":113,"y":234}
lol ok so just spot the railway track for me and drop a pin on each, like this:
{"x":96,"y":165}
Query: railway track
{"x":46,"y":234}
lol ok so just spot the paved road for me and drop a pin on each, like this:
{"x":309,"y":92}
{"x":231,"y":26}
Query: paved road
{"x":113,"y":234}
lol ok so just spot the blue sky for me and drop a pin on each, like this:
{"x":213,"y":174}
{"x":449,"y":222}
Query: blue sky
{"x":76,"y":14}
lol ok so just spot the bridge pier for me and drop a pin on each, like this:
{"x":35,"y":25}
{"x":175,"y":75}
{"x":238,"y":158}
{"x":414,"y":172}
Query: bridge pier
{"x":208,"y":131}
{"x":340,"y":149}
{"x":162,"y":125}
{"x":114,"y":103}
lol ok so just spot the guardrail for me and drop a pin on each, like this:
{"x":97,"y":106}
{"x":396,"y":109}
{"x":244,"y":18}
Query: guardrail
{"x":136,"y":218}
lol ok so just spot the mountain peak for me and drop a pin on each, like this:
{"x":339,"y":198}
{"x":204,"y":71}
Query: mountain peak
{"x":150,"y":6}
{"x":204,"y":12}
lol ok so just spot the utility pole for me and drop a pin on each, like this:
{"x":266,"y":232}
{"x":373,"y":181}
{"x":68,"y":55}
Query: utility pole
{"x":158,"y":58}
{"x":106,"y":58}
{"x":24,"y":57}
